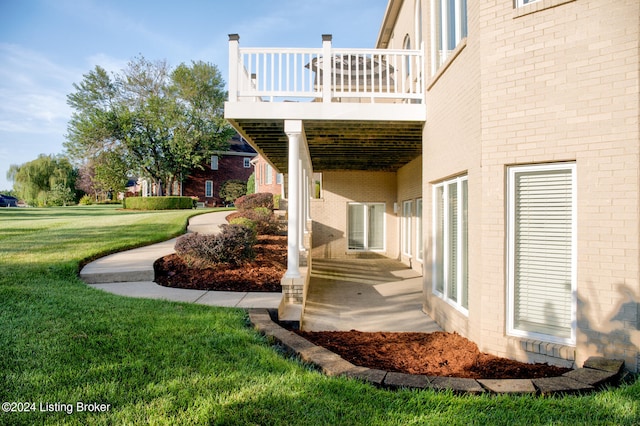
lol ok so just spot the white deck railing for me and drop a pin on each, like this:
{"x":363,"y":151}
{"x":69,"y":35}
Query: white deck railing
{"x":281,"y":74}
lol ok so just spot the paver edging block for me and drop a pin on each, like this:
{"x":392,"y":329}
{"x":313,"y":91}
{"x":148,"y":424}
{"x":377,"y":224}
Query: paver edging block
{"x":596,"y":373}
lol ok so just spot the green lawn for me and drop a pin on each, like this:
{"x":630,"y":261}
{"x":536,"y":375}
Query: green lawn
{"x":156,"y":362}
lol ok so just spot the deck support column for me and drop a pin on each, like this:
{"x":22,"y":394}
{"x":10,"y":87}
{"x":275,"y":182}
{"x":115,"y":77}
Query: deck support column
{"x":293,"y":129}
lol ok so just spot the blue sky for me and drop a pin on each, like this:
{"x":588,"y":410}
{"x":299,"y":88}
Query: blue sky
{"x":47,"y":45}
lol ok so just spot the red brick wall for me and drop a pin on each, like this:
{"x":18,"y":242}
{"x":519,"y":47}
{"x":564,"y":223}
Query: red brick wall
{"x":263,"y":184}
{"x":229,"y":167}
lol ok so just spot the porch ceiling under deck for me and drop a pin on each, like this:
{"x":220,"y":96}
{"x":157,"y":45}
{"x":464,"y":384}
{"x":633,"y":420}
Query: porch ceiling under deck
{"x":339,"y":144}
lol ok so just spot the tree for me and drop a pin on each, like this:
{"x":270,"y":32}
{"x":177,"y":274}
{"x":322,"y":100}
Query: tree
{"x":251,"y":184}
{"x":163,"y":123}
{"x":45,"y":181}
{"x":107,"y":173}
{"x":232,"y":189}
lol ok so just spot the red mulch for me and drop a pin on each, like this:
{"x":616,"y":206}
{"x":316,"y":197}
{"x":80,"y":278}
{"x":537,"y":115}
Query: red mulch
{"x":263,"y":274}
{"x":433,"y":354}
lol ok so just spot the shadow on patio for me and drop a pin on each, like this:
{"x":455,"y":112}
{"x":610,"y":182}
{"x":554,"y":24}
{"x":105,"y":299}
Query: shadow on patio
{"x":365,"y":295}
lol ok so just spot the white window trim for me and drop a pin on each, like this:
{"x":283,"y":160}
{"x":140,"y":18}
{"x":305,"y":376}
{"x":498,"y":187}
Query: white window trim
{"x":269,"y":173}
{"x":247,"y":162}
{"x":419,"y":232}
{"x":214,"y":162}
{"x":208,"y":194}
{"x":366,"y":227}
{"x":439,"y":57}
{"x":511,"y":330}
{"x":521,"y":3}
{"x":406,"y":228}
{"x":457,"y":304}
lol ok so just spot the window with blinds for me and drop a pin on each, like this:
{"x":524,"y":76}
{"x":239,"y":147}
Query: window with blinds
{"x":450,"y":252}
{"x":541,"y":240}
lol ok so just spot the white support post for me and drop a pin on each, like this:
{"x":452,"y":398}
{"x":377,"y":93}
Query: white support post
{"x":301,"y":212}
{"x":234,"y":59}
{"x":326,"y":68}
{"x":293,"y":129}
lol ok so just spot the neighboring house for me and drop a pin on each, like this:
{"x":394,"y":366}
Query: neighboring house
{"x":267,"y":178}
{"x":235,"y":163}
{"x":501,"y":158}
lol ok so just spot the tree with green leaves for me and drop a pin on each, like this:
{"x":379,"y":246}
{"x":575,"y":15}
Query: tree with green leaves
{"x":46,"y":181}
{"x":162,"y":123}
{"x":232,"y":189}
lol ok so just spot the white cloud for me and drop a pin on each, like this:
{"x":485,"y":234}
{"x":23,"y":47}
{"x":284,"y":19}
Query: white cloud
{"x":109,"y":63}
{"x":33,"y":91}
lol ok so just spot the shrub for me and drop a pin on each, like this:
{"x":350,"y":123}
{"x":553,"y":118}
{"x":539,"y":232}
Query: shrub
{"x":157,"y":203}
{"x":244,"y":221}
{"x":251,"y":201}
{"x":86,"y":200}
{"x":232,"y":189}
{"x":232,"y":246}
{"x":265,"y":222}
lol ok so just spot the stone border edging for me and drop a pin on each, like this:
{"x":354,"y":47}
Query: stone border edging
{"x":596,"y":372}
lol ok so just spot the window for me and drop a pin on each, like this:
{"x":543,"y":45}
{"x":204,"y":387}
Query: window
{"x":419,"y":236}
{"x":407,"y":63}
{"x":407,"y":208}
{"x":542,"y":252}
{"x":208,"y":189}
{"x":418,"y":23}
{"x":269,"y":174}
{"x":450,"y":252}
{"x":449,"y":27}
{"x":366,"y":226}
{"x":279,"y":178}
{"x":247,"y":162}
{"x":214,"y":162}
{"x":520,"y":3}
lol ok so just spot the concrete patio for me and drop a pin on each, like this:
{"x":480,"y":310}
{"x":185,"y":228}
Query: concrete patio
{"x":366,"y":295}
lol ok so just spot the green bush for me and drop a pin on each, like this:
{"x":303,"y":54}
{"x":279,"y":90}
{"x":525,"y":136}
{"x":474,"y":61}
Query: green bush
{"x":157,"y":203}
{"x":232,"y":189}
{"x":251,"y":201}
{"x":86,"y":200}
{"x":232,"y":246}
{"x":245,"y":221}
{"x":263,"y":220}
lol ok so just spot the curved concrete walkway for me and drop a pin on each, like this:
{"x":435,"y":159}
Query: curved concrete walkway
{"x":130,"y":273}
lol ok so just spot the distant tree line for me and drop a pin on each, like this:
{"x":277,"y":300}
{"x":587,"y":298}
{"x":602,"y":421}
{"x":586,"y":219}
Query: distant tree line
{"x":149,"y":121}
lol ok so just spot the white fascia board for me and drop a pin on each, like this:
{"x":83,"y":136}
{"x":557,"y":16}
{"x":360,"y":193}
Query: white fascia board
{"x":324,"y":111}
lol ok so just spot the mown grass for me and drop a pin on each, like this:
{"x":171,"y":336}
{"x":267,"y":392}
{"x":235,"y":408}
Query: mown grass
{"x":158,"y":362}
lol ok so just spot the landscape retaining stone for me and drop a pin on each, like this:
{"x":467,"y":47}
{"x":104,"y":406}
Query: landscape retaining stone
{"x":605,"y":364}
{"x":457,"y":385}
{"x":512,"y":386}
{"x":402,"y":380}
{"x":591,"y":376}
{"x":597,"y":371}
{"x":561,"y":385}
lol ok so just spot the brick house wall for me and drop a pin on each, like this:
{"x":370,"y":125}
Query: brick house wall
{"x":267,"y":178}
{"x":232,"y":164}
{"x":551,"y":82}
{"x":330,"y":212}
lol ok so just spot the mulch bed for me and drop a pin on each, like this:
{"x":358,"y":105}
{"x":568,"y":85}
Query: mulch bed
{"x":261,"y":275}
{"x":434,"y":354}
